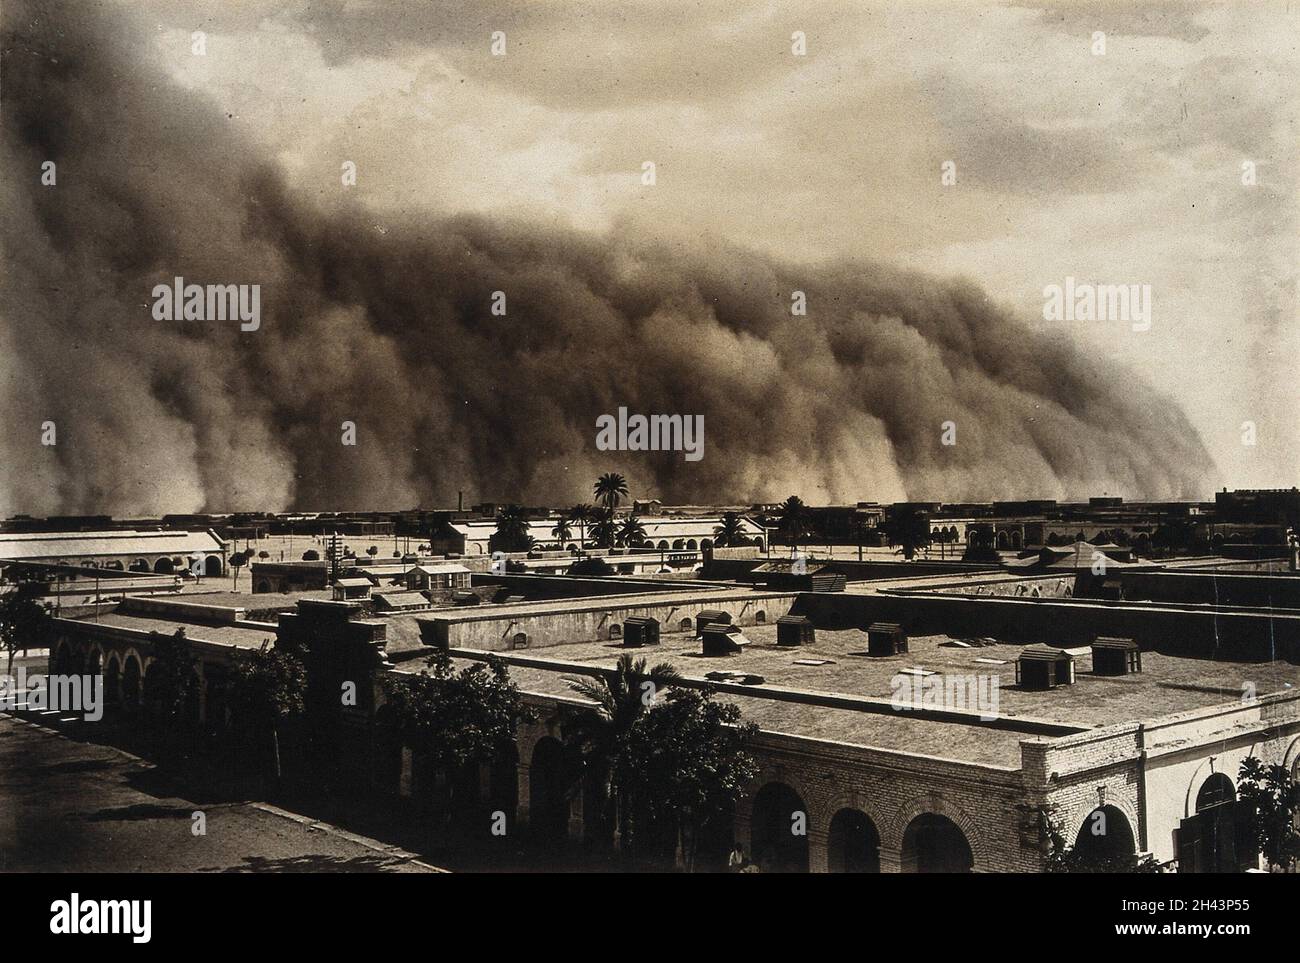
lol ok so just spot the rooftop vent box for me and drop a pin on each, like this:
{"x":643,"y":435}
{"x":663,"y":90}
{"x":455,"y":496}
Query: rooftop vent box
{"x":710,"y":616}
{"x":464,"y":598}
{"x":795,"y":630}
{"x":1043,"y":667}
{"x":1111,"y":656}
{"x":721,"y":639}
{"x":886,"y":638}
{"x":640,"y":631}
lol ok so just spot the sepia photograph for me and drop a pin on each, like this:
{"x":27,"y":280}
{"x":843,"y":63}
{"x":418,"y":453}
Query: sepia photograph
{"x":630,"y":438}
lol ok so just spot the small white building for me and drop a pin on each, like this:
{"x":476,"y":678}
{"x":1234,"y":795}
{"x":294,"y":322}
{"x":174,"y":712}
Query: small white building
{"x":437,"y":577}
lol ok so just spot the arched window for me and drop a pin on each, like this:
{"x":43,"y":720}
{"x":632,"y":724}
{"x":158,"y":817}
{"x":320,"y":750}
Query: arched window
{"x":1215,"y":791}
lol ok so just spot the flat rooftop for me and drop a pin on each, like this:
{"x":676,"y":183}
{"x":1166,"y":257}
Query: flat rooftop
{"x":1166,"y":685}
{"x":245,"y":638}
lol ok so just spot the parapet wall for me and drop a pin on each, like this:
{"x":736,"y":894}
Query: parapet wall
{"x":1246,"y":636}
{"x":501,"y":629}
{"x":1206,"y":588}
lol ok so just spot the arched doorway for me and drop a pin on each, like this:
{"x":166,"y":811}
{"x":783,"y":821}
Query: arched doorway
{"x":779,"y":825}
{"x":715,"y":840}
{"x":155,"y":711}
{"x":503,"y":789}
{"x":853,"y":845}
{"x":1105,"y":836}
{"x":1216,"y":839}
{"x":163,"y":566}
{"x":61,"y":664}
{"x":935,"y":844}
{"x":131,"y":682}
{"x":212,"y":566}
{"x":113,"y":681}
{"x":217,"y":701}
{"x":548,"y":802}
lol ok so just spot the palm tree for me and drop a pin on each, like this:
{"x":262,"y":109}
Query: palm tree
{"x":512,"y":530}
{"x":631,"y":532}
{"x":562,"y":532}
{"x":730,"y":532}
{"x":794,"y":519}
{"x":581,"y":514}
{"x":609,"y":488}
{"x":621,"y":698}
{"x":604,"y":533}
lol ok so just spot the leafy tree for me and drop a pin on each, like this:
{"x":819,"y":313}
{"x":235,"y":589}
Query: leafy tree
{"x":562,"y":532}
{"x":1272,"y":799}
{"x":311,"y":555}
{"x":268,"y":689}
{"x":909,"y":527}
{"x":691,"y":763}
{"x":237,"y":561}
{"x":730,"y":532}
{"x":456,"y":718}
{"x":581,"y":514}
{"x":372,"y":551}
{"x":794,"y":519}
{"x":263,"y":554}
{"x":511,"y":534}
{"x":631,"y":532}
{"x":24,"y":620}
{"x":603,"y":735}
{"x":1063,"y":858}
{"x":593,"y":565}
{"x":605,"y":532}
{"x":168,"y":681}
{"x":609,"y":488}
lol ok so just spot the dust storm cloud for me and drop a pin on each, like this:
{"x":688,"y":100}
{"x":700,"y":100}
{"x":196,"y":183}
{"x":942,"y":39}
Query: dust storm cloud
{"x":386,"y":322}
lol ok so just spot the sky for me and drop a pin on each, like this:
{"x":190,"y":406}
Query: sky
{"x":926,"y":171}
{"x":1118,"y":168}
